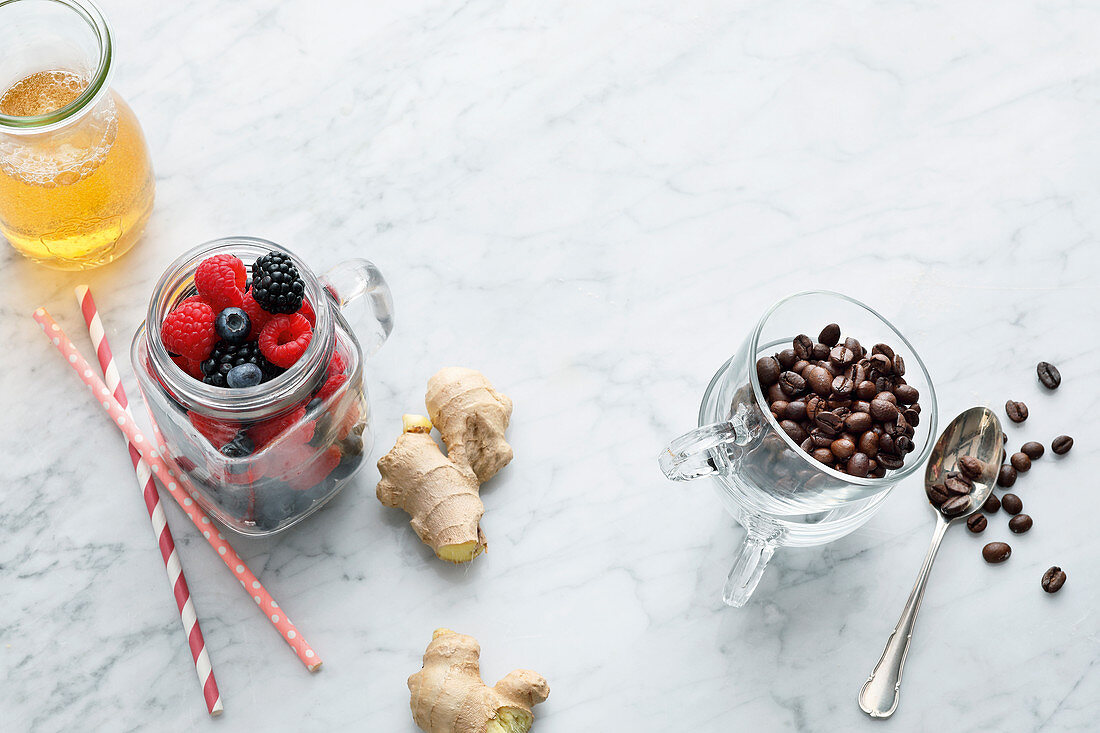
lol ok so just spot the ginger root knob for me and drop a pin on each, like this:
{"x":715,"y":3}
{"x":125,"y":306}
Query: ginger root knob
{"x":449,"y":696}
{"x":439,"y":491}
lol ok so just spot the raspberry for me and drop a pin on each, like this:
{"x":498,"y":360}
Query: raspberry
{"x":219,"y":433}
{"x":189,"y":330}
{"x":333,"y":383}
{"x":264,"y":432}
{"x":336,"y":364}
{"x":220,"y":281}
{"x":276,"y":283}
{"x":284,"y":339}
{"x":307,"y":311}
{"x":256,"y":315}
{"x":191,"y":366}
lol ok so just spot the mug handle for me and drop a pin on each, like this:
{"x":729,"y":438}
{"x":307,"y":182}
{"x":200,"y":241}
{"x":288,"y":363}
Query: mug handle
{"x":349,"y":282}
{"x":689,"y":456}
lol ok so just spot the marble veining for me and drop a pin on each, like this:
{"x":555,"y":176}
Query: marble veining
{"x":591,"y":202}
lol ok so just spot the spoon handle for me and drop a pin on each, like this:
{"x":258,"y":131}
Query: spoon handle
{"x":879,"y":695}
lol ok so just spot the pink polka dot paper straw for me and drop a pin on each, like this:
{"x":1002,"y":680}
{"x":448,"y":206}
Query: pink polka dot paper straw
{"x":161,"y":531}
{"x":174,"y":484}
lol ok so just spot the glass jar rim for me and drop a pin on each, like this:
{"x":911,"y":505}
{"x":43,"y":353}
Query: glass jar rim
{"x":263,"y":400}
{"x":758,"y":393}
{"x":97,"y":85}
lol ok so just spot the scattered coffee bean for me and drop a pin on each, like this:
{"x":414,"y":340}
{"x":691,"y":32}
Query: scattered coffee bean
{"x":955,"y":506}
{"x":1017,"y":411}
{"x":971,"y":467}
{"x":768,"y":370}
{"x":883,"y":349}
{"x":803,"y":347}
{"x":899,"y":365}
{"x":1061,"y":444}
{"x":976,"y":522}
{"x":1006,"y":477}
{"x":991,"y":505}
{"x":1032,"y":449}
{"x":1012,"y":504}
{"x":1053,"y":579}
{"x":996,"y":552}
{"x":1020,"y":462}
{"x":1048,"y":375}
{"x":1020,"y":523}
{"x":829,"y":335}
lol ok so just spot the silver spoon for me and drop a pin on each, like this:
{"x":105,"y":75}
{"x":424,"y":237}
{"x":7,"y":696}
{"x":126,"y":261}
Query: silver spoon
{"x":976,"y":432}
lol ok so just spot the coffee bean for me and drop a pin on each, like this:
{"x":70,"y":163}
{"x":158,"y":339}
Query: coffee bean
{"x":899,"y":365}
{"x":1017,"y":411}
{"x":823,"y":455}
{"x":1006,"y":477}
{"x":868,"y":443}
{"x":971,"y":467}
{"x":775,"y":392}
{"x":886,"y":442}
{"x":996,"y":552}
{"x":843,"y":448}
{"x":821,"y":352}
{"x":796,"y":411}
{"x":767,"y":370}
{"x":976,"y":522}
{"x":1020,"y":462}
{"x":858,"y":422}
{"x":1012,"y":504}
{"x":907,"y":394}
{"x":786,"y":358}
{"x":793,"y":429}
{"x":888,"y":461}
{"x":1048,"y":375}
{"x":857,"y":373}
{"x":1061,"y":444}
{"x":888,"y":396}
{"x":841,"y":355}
{"x":801,"y":366}
{"x":1053,"y":579}
{"x":912,"y":417}
{"x":820,"y":439}
{"x":958,"y":486}
{"x":882,"y":349}
{"x":843,"y":385}
{"x":820,"y":381}
{"x":792,"y":384}
{"x":1032,"y":449}
{"x":955,"y":506}
{"x":859,"y":464}
{"x":829,"y":335}
{"x":853,"y":345}
{"x":992,"y":504}
{"x":807,"y":445}
{"x":881,"y":364}
{"x":865,"y":390}
{"x":883,"y":411}
{"x":937,"y":494}
{"x":903,"y":444}
{"x":803,"y":346}
{"x":861,"y":406}
{"x":829,"y":423}
{"x":814,"y":407}
{"x":1020,"y":523}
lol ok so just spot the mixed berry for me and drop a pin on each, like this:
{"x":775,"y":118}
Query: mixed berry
{"x":245,"y":326}
{"x":239,"y":331}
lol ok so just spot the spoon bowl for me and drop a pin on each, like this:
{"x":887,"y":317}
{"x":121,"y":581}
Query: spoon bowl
{"x":977,"y":433}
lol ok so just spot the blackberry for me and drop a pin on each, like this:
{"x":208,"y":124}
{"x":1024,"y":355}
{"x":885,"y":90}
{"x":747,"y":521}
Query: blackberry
{"x":225,"y":356}
{"x":276,"y":284}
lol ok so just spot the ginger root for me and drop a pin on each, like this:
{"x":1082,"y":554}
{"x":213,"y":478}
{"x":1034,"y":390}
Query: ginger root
{"x":439,"y":491}
{"x":449,"y":696}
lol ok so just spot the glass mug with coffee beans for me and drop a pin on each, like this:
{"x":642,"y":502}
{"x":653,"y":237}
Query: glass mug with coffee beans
{"x":805,"y":436}
{"x":76,"y":184}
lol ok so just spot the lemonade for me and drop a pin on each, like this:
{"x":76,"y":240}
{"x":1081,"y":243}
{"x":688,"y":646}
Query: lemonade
{"x":78,"y":196}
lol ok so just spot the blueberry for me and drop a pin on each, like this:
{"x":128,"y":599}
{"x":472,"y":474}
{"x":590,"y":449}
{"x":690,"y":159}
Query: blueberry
{"x":245,"y":375}
{"x":232,"y":325}
{"x":239,"y":447}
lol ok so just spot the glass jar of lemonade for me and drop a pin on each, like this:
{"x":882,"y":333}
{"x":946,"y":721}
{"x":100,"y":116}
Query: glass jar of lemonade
{"x":76,"y":184}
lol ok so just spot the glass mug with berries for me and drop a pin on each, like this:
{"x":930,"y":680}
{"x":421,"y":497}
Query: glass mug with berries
{"x":804,"y":438}
{"x":254,"y":377}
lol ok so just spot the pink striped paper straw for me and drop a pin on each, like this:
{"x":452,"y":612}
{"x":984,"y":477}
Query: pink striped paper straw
{"x":172,"y":482}
{"x":161,"y":531}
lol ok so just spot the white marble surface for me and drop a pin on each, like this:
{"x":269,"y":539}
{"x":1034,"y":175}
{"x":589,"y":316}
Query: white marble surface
{"x":591,"y":202}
